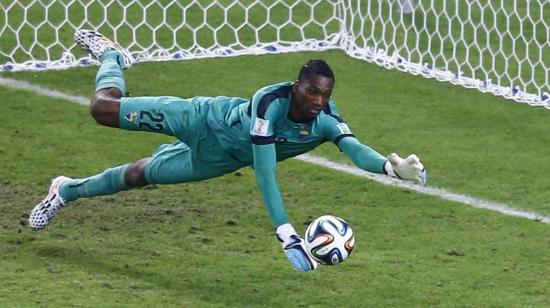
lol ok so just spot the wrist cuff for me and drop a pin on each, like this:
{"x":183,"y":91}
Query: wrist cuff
{"x":388,"y":169}
{"x":284,"y":232}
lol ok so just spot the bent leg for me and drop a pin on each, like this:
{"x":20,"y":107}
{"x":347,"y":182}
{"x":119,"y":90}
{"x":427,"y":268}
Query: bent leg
{"x":135,"y":174}
{"x":110,"y":87}
{"x":171,"y":164}
{"x":185,"y":119}
{"x":178,"y":163}
{"x":105,"y":107}
{"x":168,"y":115}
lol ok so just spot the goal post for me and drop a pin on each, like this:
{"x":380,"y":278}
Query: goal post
{"x":497,"y":46}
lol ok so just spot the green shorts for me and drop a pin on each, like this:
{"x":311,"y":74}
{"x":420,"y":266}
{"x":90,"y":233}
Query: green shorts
{"x":197,"y":155}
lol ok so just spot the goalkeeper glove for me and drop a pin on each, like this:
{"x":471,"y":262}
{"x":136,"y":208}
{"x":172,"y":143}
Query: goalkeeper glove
{"x":410,"y":168}
{"x":293,"y":246}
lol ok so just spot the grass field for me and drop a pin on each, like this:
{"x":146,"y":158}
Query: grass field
{"x":211,"y":243}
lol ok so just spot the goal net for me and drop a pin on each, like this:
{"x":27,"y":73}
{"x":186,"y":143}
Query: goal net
{"x":498,"y":46}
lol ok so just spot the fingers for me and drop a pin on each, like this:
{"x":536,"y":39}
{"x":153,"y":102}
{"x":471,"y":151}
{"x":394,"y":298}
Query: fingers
{"x":409,"y":168}
{"x":411,"y":159}
{"x":417,"y":167}
{"x":414,"y":162}
{"x":394,"y":159}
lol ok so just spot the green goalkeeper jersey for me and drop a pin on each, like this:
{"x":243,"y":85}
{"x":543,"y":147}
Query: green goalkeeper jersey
{"x":238,"y":123}
{"x":258,"y":132}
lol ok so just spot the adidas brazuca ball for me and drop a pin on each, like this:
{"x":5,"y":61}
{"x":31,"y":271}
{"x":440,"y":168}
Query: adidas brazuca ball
{"x":329,"y":240}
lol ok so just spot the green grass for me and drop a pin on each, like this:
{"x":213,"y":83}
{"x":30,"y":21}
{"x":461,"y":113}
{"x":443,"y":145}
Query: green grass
{"x":211,"y":244}
{"x":471,"y":143}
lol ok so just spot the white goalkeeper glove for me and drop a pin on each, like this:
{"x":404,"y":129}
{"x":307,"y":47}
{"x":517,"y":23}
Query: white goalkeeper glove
{"x":410,"y":168}
{"x":293,"y":246}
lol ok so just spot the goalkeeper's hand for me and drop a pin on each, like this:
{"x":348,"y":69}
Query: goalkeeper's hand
{"x":410,"y":168}
{"x":293,"y":246}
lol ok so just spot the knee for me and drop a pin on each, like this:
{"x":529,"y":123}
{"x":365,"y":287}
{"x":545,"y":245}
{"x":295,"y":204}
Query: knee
{"x":135,"y":174}
{"x":105,"y":108}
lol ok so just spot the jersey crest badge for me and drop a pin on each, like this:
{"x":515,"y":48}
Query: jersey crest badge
{"x":303,"y":132}
{"x":131,"y":117}
{"x":260,"y":127}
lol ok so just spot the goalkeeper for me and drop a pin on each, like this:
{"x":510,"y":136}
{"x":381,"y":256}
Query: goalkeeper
{"x":218,"y":135}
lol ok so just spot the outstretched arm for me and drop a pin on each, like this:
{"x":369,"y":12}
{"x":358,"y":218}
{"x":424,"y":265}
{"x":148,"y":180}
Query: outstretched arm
{"x":265,"y":111}
{"x":368,"y":159}
{"x":293,"y":244}
{"x":265,"y":165}
{"x":363,"y":156}
{"x":334,"y":128}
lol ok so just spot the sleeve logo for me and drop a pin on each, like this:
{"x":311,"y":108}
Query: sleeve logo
{"x":131,"y":117}
{"x":343,"y":127}
{"x":260,"y":127}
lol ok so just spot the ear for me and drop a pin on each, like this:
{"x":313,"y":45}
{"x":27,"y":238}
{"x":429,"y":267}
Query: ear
{"x":295,"y":86}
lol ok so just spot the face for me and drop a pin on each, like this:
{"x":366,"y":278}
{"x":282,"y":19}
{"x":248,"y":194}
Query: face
{"x":310,"y":96}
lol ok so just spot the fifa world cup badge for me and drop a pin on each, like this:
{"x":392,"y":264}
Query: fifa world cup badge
{"x":260,"y":127}
{"x":343,"y":127}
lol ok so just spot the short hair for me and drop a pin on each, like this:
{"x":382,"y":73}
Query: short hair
{"x":319,"y":67}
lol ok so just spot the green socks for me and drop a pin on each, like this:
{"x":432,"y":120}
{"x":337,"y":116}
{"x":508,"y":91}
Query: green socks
{"x":110,"y":73}
{"x":109,"y":182}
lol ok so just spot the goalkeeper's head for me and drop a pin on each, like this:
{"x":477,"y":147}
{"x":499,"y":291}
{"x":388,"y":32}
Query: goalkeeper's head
{"x":312,"y":91}
{"x":319,"y":67}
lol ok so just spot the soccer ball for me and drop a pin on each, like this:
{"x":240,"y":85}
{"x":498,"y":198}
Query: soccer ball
{"x":329,"y":240}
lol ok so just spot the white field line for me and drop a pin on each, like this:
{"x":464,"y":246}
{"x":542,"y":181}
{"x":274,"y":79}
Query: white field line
{"x":439,"y":192}
{"x":23,"y":85}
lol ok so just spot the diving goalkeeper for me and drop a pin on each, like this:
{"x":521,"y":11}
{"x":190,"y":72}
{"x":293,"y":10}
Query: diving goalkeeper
{"x":218,"y":135}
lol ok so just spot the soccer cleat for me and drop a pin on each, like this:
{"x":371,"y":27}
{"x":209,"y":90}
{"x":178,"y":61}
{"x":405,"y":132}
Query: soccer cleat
{"x":96,"y":44}
{"x":43,"y":212}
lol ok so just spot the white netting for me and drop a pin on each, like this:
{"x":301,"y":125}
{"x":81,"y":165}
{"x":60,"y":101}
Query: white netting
{"x":38,"y":33}
{"x":499,"y":46}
